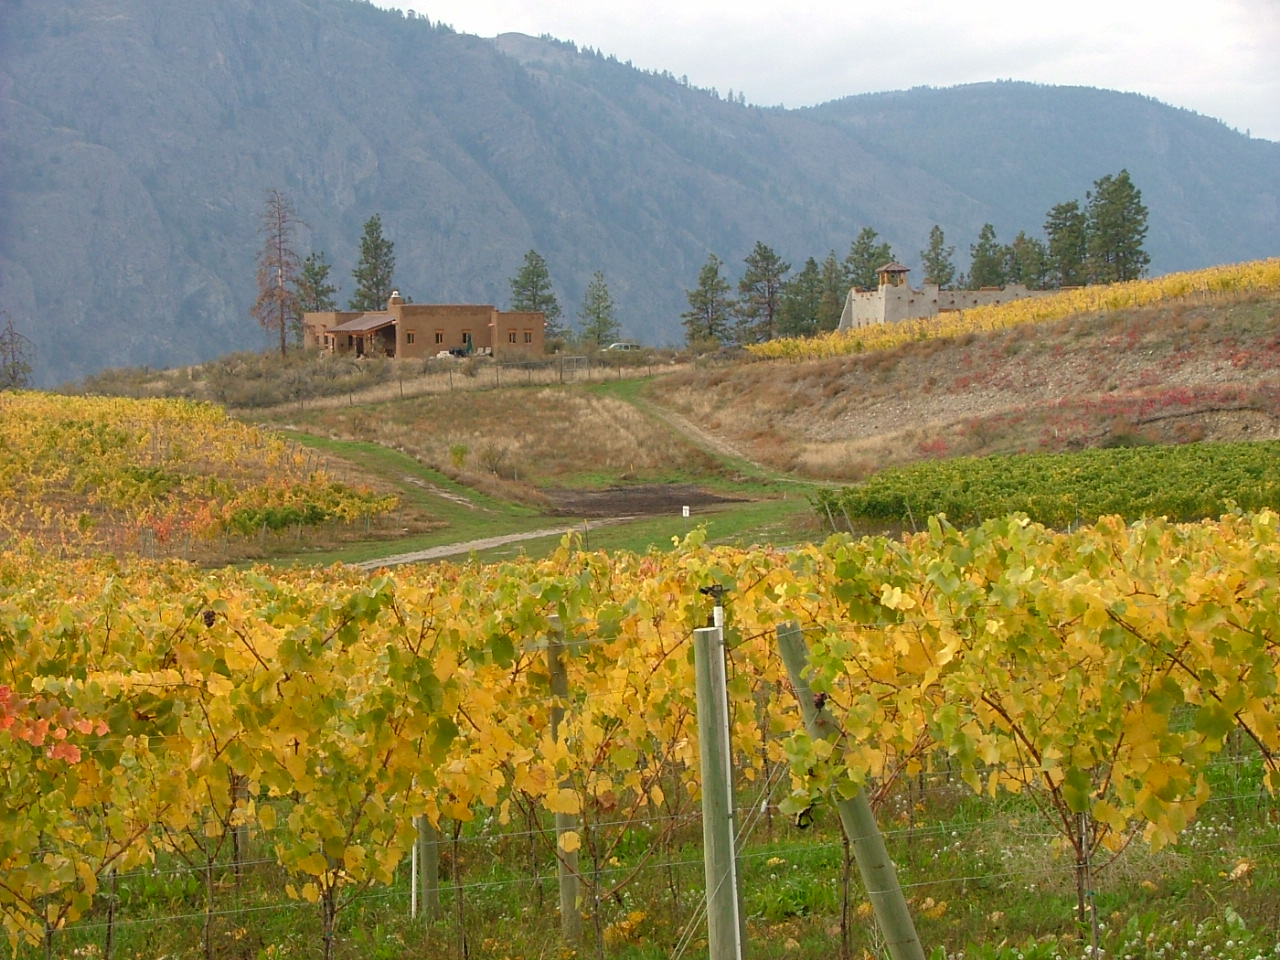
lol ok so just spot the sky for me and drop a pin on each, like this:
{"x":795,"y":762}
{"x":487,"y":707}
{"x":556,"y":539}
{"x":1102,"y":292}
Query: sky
{"x":1216,"y":57}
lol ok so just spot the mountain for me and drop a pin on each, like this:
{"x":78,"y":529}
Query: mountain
{"x":140,"y":136}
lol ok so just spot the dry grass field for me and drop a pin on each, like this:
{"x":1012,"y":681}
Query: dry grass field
{"x":1169,"y":373}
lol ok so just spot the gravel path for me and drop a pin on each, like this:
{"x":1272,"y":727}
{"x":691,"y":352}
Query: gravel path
{"x":486,"y":543}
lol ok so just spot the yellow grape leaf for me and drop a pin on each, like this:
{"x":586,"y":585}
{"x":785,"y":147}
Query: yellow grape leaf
{"x":563,"y":801}
{"x":90,"y":880}
{"x":570,"y":841}
{"x":1106,"y":813}
{"x":267,"y":817}
{"x":532,"y":780}
{"x":218,"y":685}
{"x":314,"y":864}
{"x":353,"y":858}
{"x":311,"y":893}
{"x":894,"y":598}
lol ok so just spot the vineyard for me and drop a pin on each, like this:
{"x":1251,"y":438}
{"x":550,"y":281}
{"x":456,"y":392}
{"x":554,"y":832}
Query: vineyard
{"x":157,"y":477}
{"x":301,"y":723}
{"x":1181,"y":483}
{"x":1236,"y":280}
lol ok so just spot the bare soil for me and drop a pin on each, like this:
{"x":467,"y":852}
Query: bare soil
{"x":644,"y":499}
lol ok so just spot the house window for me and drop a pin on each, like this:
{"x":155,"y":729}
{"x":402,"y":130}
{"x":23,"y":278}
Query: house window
{"x":466,"y":337}
{"x":511,"y":336}
{"x":528,"y":336}
{"x":408,"y":336}
{"x":439,"y":336}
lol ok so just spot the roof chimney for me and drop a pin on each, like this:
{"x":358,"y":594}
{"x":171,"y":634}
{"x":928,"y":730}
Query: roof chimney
{"x":394,"y":299}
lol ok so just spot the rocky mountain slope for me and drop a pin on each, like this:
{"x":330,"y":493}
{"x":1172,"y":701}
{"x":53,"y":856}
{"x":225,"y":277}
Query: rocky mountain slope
{"x":140,"y":136}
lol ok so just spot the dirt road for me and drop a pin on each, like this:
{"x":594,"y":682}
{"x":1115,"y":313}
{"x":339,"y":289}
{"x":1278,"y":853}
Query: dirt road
{"x":485,"y":543}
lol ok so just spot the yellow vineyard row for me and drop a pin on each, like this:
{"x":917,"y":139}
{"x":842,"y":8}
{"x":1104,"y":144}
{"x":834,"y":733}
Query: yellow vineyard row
{"x":1102,"y":667}
{"x":1255,"y":277}
{"x":83,"y":471}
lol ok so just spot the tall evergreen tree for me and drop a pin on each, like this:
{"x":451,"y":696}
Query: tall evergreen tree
{"x":835,"y":290}
{"x":1027,"y":261}
{"x":278,"y":267}
{"x":1116,"y":230}
{"x":760,"y":295}
{"x":710,"y":307}
{"x":373,"y":274}
{"x":938,"y":259}
{"x":987,"y":266}
{"x":800,"y":302}
{"x":531,"y":290}
{"x":1068,"y":245}
{"x":865,"y":259}
{"x":314,"y":291}
{"x":597,"y":318}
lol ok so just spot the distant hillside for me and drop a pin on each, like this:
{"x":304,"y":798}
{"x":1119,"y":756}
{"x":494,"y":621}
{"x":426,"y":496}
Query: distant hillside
{"x":139,"y":137}
{"x":1197,"y":369}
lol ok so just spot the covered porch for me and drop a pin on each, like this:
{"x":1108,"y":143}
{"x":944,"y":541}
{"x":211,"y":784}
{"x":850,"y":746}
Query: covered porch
{"x":368,"y":335}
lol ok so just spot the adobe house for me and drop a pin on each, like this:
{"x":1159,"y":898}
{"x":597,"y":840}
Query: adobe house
{"x":410,"y":330}
{"x":894,"y":300}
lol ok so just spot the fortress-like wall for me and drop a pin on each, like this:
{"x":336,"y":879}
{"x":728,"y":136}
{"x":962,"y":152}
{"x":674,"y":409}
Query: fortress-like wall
{"x":891,"y":303}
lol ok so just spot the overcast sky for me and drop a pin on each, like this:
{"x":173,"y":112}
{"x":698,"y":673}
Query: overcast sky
{"x":1216,"y":57}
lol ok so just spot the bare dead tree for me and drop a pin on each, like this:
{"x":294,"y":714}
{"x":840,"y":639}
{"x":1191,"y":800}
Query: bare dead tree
{"x":16,"y":354}
{"x":278,"y":266}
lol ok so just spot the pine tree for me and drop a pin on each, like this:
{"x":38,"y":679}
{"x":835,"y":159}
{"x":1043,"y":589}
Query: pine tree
{"x":373,"y":274}
{"x":314,"y":292}
{"x":531,"y":291}
{"x":278,"y":267}
{"x":597,"y":318}
{"x":1068,"y":245}
{"x":760,"y":295}
{"x":1027,"y":261}
{"x":835,"y":290}
{"x":987,"y":266}
{"x":801,"y":301}
{"x":1116,"y":229}
{"x":866,"y":257}
{"x":707,"y":319}
{"x":938,"y":259}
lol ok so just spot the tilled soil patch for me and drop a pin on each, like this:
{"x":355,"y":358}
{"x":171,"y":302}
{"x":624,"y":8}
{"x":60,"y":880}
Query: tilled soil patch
{"x":632,"y":501}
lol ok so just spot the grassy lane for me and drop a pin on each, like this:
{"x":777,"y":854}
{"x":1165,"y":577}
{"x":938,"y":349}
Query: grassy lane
{"x":778,"y":522}
{"x":773,"y":508}
{"x":461,"y":512}
{"x":781,"y":519}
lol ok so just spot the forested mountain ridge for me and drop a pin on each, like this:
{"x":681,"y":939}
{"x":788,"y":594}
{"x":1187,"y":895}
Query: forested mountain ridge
{"x":140,"y":136}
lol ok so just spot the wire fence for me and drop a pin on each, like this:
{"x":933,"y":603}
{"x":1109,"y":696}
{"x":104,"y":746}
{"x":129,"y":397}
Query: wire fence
{"x":643,"y":875}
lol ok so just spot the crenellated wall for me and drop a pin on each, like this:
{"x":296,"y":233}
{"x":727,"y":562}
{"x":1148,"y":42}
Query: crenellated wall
{"x":892,"y":303}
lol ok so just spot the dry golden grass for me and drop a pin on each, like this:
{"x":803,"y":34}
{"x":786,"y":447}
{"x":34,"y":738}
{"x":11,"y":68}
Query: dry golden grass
{"x":541,"y":435}
{"x":1173,"y":372}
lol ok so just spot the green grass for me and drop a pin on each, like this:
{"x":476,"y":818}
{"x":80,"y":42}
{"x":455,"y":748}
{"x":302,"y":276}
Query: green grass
{"x":779,"y":522}
{"x":982,"y":876}
{"x":487,"y":518}
{"x":773,"y":509}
